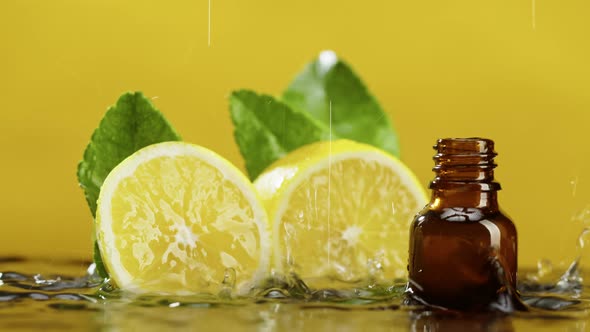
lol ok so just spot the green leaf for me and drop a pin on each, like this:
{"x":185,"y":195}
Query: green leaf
{"x":267,"y":129}
{"x":328,"y":83}
{"x":130,"y":125}
{"x":100,"y":268}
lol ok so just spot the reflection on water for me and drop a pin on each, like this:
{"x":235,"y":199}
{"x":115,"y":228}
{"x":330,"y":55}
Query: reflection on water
{"x":76,"y":299}
{"x":433,"y":321}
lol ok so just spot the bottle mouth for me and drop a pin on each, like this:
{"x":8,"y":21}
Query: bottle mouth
{"x":467,"y":152}
{"x":462,"y":161}
{"x":459,"y":146}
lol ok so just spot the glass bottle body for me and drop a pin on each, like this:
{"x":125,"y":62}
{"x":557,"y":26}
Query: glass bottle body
{"x":463,"y":249}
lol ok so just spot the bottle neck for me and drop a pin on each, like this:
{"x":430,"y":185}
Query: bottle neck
{"x":464,"y":169}
{"x":487,"y":200}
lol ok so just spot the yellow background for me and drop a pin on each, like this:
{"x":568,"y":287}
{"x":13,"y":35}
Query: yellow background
{"x":440,"y":68}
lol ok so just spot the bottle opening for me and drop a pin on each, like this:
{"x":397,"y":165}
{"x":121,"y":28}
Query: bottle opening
{"x":465,"y":163}
{"x":472,"y":145}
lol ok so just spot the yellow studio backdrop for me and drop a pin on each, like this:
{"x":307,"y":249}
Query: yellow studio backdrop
{"x":515,"y":71}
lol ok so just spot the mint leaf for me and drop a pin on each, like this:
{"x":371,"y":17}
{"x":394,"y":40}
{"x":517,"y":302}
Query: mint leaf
{"x":267,"y":129}
{"x":100,"y":268}
{"x":130,"y":125}
{"x":356,"y":114}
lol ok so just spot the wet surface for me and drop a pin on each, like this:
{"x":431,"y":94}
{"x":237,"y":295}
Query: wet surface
{"x":60,"y":294}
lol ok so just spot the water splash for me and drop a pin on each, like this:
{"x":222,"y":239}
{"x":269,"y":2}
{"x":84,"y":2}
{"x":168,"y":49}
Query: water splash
{"x":505,"y":300}
{"x":582,"y":217}
{"x":569,"y":284}
{"x":278,"y":303}
{"x":544,"y":267}
{"x":228,"y":284}
{"x":375,"y":267}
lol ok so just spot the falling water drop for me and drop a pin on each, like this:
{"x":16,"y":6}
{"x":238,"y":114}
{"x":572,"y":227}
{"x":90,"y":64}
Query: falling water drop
{"x":544,"y":267}
{"x":583,"y":216}
{"x":91,"y":270}
{"x":375,"y":266}
{"x":543,"y":275}
{"x":574,"y":184}
{"x":229,"y":277}
{"x":583,"y":240}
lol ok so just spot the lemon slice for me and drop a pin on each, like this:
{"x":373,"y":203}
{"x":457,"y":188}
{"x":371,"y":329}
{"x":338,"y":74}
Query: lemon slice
{"x":176,"y":218}
{"x":340,"y":211}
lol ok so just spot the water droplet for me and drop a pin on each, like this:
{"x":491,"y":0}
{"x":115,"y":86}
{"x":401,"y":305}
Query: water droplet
{"x":228,"y":283}
{"x":574,"y":185}
{"x":276,"y":294}
{"x":549,"y":302}
{"x":570,"y":281}
{"x":296,"y":286}
{"x":42,"y":281}
{"x":327,"y":60}
{"x":329,"y":295}
{"x":583,"y":216}
{"x":583,"y":239}
{"x":544,"y":267}
{"x":375,"y":266}
{"x":91,"y":269}
{"x":69,"y":297}
{"x":13,"y":276}
{"x":229,"y":277}
{"x":39,"y":296}
{"x":8,"y":297}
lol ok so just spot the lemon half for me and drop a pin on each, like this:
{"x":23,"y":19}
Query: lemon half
{"x":176,"y":218}
{"x":340,"y":211}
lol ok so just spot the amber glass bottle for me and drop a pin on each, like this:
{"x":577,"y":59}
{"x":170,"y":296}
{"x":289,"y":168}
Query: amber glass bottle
{"x":462,"y":247}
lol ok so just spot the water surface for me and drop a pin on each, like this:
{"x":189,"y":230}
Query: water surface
{"x":50,"y":294}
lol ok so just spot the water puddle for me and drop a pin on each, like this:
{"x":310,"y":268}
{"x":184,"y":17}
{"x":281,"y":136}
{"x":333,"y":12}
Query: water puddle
{"x":69,"y":295}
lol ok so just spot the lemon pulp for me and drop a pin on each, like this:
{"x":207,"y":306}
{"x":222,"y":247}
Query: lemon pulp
{"x":177,"y":218}
{"x":341,"y":212}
